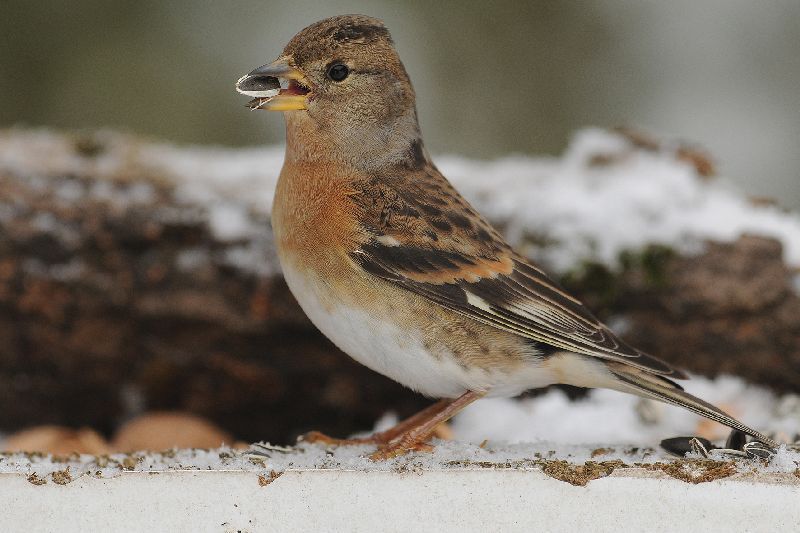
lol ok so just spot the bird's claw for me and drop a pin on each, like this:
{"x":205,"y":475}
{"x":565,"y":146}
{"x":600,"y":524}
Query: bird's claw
{"x":317,"y":437}
{"x":386,"y":450}
{"x":396,"y":449}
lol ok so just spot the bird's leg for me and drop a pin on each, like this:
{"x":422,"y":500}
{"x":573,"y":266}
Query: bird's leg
{"x":414,"y":438}
{"x":382,"y":437}
{"x":413,"y":421}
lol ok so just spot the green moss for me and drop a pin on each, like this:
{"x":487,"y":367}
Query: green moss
{"x":601,"y":287}
{"x":653,"y":261}
{"x":594,"y":283}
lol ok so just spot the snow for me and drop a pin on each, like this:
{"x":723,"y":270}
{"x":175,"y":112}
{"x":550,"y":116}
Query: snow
{"x":235,"y":184}
{"x":563,"y":211}
{"x":447,"y":455}
{"x":596,"y":212}
{"x":607,"y":417}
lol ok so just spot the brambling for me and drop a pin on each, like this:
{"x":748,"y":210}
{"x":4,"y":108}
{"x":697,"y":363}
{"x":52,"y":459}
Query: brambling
{"x":397,"y":269}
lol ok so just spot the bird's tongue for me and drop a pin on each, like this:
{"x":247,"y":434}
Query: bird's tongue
{"x":293,"y":88}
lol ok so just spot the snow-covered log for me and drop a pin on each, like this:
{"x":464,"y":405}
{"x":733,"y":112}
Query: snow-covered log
{"x":138,"y":274}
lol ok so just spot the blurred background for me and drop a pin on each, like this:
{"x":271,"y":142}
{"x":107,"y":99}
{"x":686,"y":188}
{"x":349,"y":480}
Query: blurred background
{"x":491,"y":79}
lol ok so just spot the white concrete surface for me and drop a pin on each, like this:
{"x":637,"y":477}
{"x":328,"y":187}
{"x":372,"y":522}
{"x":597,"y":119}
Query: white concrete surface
{"x":439,"y":500}
{"x":457,"y":487}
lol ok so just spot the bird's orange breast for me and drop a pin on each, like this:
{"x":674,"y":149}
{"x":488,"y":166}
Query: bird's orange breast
{"x":313,"y":218}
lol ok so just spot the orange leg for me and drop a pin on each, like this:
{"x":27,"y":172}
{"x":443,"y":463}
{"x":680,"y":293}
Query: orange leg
{"x":414,"y":438}
{"x":382,"y":437}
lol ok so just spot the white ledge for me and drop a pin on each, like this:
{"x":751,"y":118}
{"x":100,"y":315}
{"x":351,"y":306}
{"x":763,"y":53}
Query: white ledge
{"x":458,"y":488}
{"x":342,"y":500}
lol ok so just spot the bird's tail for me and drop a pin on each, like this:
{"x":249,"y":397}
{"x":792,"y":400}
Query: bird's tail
{"x":655,"y":387}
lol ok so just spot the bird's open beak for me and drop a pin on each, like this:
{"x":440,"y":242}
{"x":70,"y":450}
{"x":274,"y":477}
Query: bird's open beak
{"x":276,"y":87}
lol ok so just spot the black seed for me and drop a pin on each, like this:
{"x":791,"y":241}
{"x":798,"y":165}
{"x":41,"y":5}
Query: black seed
{"x":680,"y":446}
{"x":259,"y":83}
{"x":736,"y":440}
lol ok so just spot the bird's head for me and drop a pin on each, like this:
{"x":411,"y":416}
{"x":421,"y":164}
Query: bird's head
{"x":340,"y":81}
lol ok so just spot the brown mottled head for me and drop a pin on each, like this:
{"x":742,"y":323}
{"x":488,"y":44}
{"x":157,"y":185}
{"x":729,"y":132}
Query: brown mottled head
{"x":343,"y":85}
{"x":346,"y":35}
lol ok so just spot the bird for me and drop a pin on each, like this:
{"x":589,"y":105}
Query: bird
{"x":395,"y":267}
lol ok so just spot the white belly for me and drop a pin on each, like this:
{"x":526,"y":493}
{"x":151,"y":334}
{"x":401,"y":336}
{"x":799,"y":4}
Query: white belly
{"x":372,"y":339}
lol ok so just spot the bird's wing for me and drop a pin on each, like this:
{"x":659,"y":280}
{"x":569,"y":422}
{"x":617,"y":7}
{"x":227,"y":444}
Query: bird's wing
{"x":425,"y":238}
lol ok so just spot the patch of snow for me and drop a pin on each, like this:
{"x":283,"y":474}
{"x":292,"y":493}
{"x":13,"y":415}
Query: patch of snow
{"x":385,"y":422}
{"x":192,"y":259}
{"x":71,"y":270}
{"x":784,"y":461}
{"x":211,"y":176}
{"x":120,"y":194}
{"x":229,"y":222}
{"x":612,"y":418}
{"x":257,"y":256}
{"x":595,"y":212}
{"x":115,"y":464}
{"x":47,"y":223}
{"x":447,"y":455}
{"x":70,"y":191}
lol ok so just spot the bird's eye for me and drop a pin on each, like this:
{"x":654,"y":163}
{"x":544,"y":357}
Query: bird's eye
{"x":338,"y":72}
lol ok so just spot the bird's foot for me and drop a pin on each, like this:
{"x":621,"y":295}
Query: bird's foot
{"x":386,"y":449}
{"x":410,"y":435}
{"x":314,"y":437}
{"x":398,"y":448}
